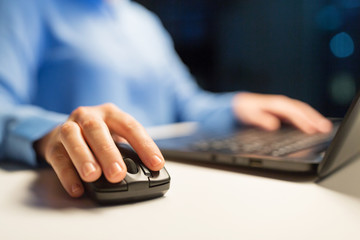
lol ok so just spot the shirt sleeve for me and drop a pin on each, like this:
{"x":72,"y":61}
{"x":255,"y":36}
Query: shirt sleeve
{"x":20,"y":49}
{"x":195,"y":104}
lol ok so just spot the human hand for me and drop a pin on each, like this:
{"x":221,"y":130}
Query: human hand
{"x":267,"y":112}
{"x":83,"y":147}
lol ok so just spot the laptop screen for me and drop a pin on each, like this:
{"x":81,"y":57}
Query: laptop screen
{"x":345,"y":146}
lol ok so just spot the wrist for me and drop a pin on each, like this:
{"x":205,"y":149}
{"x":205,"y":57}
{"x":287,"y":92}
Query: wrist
{"x":40,"y":145}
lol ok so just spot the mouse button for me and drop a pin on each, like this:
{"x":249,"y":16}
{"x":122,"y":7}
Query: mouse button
{"x":159,"y":178}
{"x":146,"y":171}
{"x":127,"y":151}
{"x":103,"y":185}
{"x":131,"y":166}
{"x":137,"y":181}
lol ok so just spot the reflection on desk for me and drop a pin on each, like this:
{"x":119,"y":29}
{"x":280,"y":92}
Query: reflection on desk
{"x":202,"y":203}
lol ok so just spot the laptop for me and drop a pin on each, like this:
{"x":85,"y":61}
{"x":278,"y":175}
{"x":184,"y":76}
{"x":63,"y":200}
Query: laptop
{"x":287,"y":149}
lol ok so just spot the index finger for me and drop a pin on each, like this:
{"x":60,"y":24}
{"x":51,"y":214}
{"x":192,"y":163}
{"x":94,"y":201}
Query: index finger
{"x":127,"y":127}
{"x":302,"y":116}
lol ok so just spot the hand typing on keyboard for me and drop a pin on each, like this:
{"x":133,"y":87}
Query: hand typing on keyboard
{"x":268,"y":111}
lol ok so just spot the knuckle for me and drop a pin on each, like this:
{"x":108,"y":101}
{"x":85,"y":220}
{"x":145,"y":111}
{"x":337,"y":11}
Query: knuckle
{"x":109,"y":107}
{"x":280,"y":100}
{"x":56,"y":154}
{"x":281,"y":97}
{"x":110,"y":110}
{"x":129,"y":123}
{"x":67,"y":128}
{"x":107,"y":148}
{"x":78,"y":112}
{"x":91,"y":123}
{"x":79,"y":149}
{"x":65,"y":170}
{"x":55,"y":149}
{"x":302,"y":103}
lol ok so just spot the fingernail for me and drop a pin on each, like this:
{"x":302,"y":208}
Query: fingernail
{"x":115,"y":169}
{"x":88,"y":169}
{"x":156,"y":161}
{"x":325,"y":125}
{"x":75,"y":188}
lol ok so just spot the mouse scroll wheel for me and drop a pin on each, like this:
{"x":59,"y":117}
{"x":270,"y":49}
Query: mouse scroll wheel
{"x":131,"y":166}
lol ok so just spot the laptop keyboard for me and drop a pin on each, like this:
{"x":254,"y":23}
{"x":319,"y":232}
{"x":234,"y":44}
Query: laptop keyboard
{"x":256,"y":141}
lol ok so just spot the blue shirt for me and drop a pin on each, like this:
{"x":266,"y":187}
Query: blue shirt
{"x":57,"y":55}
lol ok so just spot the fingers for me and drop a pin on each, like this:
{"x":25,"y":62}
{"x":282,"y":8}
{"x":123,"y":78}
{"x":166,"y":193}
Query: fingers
{"x":98,"y":137}
{"x":300,"y":114}
{"x":318,"y":122}
{"x":250,"y":109}
{"x":79,"y":152}
{"x":266,"y":111}
{"x":96,"y":128}
{"x":266,"y":121}
{"x":127,"y":127}
{"x":64,"y":169}
{"x":91,"y":146}
{"x":84,"y":148}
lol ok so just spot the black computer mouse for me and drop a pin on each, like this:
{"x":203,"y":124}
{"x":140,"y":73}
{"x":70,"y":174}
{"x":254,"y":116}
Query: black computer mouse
{"x":139,"y":184}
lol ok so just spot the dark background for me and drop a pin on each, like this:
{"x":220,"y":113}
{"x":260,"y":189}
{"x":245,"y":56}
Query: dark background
{"x":305,"y":49}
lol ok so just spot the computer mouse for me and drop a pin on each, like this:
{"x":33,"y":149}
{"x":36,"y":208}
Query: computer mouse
{"x":139,"y":184}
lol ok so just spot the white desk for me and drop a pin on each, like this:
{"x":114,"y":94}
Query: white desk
{"x":202,"y":203}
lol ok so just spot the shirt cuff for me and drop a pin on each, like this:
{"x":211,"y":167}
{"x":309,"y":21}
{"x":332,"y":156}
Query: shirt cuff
{"x":223,"y":114}
{"x":23,"y":134}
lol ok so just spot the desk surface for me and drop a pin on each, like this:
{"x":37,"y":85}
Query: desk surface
{"x":202,"y":203}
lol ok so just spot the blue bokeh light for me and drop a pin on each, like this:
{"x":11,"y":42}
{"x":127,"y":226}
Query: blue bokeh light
{"x":342,"y":45}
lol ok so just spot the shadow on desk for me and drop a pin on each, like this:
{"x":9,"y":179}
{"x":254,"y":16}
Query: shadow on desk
{"x":45,"y":190}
